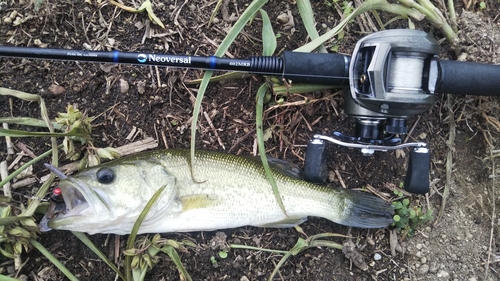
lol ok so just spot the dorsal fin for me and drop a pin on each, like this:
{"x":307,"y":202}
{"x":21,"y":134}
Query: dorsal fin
{"x":282,"y":167}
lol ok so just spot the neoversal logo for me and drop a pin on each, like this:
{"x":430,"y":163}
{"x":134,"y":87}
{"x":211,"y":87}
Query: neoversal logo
{"x":142,"y":58}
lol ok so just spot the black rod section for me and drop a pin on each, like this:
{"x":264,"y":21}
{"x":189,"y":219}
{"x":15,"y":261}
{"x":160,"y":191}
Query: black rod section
{"x":139,"y":58}
{"x":312,"y":68}
{"x":468,"y":78}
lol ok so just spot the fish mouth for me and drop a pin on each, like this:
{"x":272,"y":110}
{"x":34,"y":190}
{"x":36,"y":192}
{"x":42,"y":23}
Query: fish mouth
{"x":73,"y":203}
{"x":74,"y":200}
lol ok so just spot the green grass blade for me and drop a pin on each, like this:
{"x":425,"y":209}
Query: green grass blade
{"x":135,"y":229}
{"x":268,"y":37}
{"x":300,"y":88}
{"x":53,"y":260}
{"x":30,"y":122}
{"x":280,"y":263}
{"x":22,"y":134}
{"x":212,"y":17}
{"x":7,"y":278}
{"x":93,"y":248}
{"x":43,"y":113}
{"x":311,"y":46}
{"x":365,"y":7}
{"x":261,"y":93}
{"x":32,"y":98}
{"x":307,"y":15}
{"x":139,"y":274}
{"x":174,"y":256}
{"x":226,"y":76}
{"x":25,"y":166}
{"x":11,"y":220}
{"x":248,"y":14}
{"x":245,"y":247}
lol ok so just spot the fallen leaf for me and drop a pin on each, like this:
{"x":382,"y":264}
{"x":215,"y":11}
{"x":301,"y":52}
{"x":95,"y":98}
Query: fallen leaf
{"x":56,"y":89}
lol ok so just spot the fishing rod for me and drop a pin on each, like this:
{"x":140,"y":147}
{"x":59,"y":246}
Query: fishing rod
{"x":325,"y":69}
{"x":392,"y":75}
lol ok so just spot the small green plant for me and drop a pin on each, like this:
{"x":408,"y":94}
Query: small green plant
{"x":78,"y":123}
{"x":302,"y":245}
{"x":223,"y":254}
{"x":347,"y":8}
{"x":213,"y":260}
{"x":407,"y":218}
{"x":145,"y":6}
{"x":145,"y":254}
{"x":15,"y":236}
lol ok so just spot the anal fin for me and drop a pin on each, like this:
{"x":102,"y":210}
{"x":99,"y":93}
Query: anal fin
{"x":286,"y":223}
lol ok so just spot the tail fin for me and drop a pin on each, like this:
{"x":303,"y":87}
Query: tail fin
{"x":367,"y":211}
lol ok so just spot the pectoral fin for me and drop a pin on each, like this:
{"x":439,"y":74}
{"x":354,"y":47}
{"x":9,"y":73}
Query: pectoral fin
{"x":196,"y":202}
{"x":286,"y":223}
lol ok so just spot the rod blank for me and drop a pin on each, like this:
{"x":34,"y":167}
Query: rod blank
{"x":312,"y":68}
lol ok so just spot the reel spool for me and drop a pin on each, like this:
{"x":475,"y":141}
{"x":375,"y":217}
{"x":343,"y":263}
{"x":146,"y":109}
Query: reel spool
{"x":389,"y":78}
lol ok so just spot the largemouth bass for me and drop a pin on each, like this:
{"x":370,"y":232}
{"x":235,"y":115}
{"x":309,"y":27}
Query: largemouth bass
{"x":222,"y":191}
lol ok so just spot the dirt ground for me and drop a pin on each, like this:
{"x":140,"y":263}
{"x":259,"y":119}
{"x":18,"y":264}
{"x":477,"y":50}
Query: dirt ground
{"x":134,"y":102}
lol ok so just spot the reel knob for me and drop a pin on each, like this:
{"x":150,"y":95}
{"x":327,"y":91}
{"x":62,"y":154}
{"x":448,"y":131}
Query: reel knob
{"x":417,"y":174}
{"x":315,"y":167}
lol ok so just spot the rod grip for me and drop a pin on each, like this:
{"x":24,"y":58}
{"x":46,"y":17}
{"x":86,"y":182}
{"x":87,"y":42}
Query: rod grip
{"x":468,"y":78}
{"x":417,"y":175}
{"x":316,"y":68}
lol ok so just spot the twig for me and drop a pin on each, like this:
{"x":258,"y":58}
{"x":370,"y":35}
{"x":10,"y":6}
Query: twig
{"x":449,"y":159}
{"x":238,"y":141}
{"x":8,"y":141}
{"x":205,"y":114}
{"x":337,"y":173}
{"x":4,"y":174}
{"x":25,"y":149}
{"x":411,"y":129}
{"x":493,"y":216}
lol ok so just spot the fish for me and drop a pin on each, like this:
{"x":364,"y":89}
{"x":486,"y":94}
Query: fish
{"x":219,"y":191}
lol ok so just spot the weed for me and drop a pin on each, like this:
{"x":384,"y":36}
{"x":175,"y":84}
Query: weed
{"x":74,"y":121}
{"x":145,"y":254}
{"x":213,"y":260}
{"x":223,"y":254}
{"x":15,"y":236}
{"x":301,"y":245}
{"x":407,"y":218}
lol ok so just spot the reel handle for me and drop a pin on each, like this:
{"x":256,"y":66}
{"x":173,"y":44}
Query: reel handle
{"x":468,"y":78}
{"x":417,"y":174}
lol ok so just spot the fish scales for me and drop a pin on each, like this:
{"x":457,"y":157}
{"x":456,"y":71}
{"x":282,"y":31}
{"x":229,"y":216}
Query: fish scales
{"x":221,"y":191}
{"x":241,"y":193}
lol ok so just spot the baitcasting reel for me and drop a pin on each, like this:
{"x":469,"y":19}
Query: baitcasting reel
{"x":394,"y":75}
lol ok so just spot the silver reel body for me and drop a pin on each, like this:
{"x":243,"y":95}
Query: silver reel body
{"x":390,"y":80}
{"x":392,"y":76}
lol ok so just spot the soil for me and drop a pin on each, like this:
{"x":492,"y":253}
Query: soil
{"x":462,"y":244}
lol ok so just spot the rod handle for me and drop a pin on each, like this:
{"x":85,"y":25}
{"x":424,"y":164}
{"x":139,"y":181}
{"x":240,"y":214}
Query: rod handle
{"x":316,"y":68}
{"x":468,"y":78}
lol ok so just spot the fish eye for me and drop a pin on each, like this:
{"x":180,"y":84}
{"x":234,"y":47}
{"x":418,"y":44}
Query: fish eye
{"x":105,"y":175}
